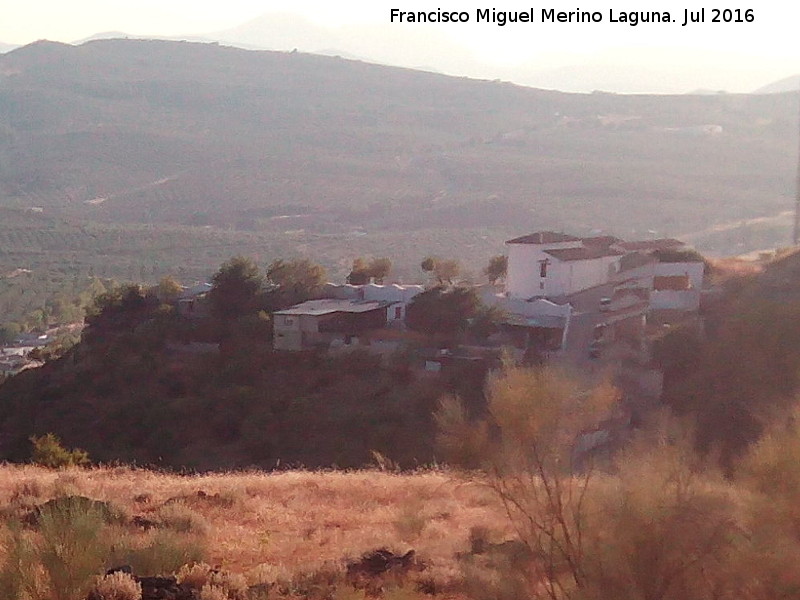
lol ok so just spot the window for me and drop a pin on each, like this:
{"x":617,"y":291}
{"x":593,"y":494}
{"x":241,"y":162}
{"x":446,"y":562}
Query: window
{"x":398,"y":312}
{"x":543,"y":268}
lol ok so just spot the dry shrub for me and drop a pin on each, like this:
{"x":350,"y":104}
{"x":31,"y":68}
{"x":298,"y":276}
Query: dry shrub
{"x":771,"y":475}
{"x":525,"y":448}
{"x":163,"y":553}
{"x":315,"y":584}
{"x":410,"y":521}
{"x":72,"y":548}
{"x":194,"y":575}
{"x":117,"y":586}
{"x":267,"y":574}
{"x":212,"y":592}
{"x":181,"y":518}
{"x":200,"y":576}
{"x":665,"y":527}
{"x":27,"y":488}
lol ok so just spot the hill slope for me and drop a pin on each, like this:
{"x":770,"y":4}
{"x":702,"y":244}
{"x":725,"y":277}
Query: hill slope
{"x":154,"y":132}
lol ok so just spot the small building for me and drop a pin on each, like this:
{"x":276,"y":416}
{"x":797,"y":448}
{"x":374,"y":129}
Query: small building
{"x":319,"y":323}
{"x":192,"y":302}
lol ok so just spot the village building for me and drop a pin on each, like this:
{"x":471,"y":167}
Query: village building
{"x":327,"y":322}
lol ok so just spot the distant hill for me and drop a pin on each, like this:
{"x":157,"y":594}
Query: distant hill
{"x":789,"y":84}
{"x":157,"y":132}
{"x":7,"y":47}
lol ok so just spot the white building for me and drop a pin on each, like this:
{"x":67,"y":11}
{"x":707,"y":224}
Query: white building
{"x":550,"y":265}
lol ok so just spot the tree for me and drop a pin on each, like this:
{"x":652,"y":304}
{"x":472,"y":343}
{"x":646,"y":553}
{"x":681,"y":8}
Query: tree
{"x":48,"y":452}
{"x":444,"y":270}
{"x":379,"y":269}
{"x":235,"y":288}
{"x":442,"y":310}
{"x":497,"y":268}
{"x":487,"y":321}
{"x":359,"y":274}
{"x":298,"y":279}
{"x":168,"y":289}
{"x":362,"y":272}
{"x":525,"y":447}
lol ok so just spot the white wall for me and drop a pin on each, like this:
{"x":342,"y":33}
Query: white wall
{"x":563,"y":277}
{"x":522,"y":277}
{"x":687,"y":300}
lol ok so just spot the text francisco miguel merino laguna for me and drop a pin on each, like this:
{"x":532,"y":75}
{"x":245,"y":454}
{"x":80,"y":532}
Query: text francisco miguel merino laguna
{"x":551,"y":15}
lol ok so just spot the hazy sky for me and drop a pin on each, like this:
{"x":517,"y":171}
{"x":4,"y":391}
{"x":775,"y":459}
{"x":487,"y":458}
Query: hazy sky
{"x":749,"y":54}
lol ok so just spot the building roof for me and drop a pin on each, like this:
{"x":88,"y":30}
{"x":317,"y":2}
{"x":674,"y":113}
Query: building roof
{"x":601,"y":240}
{"x":544,"y":237}
{"x":650,"y":245}
{"x":634,"y":260}
{"x":671,"y":282}
{"x":540,"y":321}
{"x":569,"y":254}
{"x":330,"y":305}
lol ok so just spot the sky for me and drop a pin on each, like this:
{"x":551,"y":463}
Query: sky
{"x":737,"y":57}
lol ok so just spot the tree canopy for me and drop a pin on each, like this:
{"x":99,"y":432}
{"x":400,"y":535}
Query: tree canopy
{"x":298,"y":279}
{"x":442,"y":310}
{"x":235,"y":288}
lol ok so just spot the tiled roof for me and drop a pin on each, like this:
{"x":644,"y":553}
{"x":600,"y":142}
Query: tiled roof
{"x":649,"y":245}
{"x":544,"y":237}
{"x":568,"y":254}
{"x":601,"y":240}
{"x":671,"y":282}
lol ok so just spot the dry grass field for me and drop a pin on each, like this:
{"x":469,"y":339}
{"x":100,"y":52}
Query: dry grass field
{"x":270,"y":525}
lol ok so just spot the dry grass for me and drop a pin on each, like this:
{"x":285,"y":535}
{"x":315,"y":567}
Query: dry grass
{"x":276,"y":525}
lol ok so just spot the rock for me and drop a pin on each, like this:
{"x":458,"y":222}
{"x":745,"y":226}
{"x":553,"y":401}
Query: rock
{"x":164,"y":588}
{"x":381,"y":561}
{"x":121,"y":569}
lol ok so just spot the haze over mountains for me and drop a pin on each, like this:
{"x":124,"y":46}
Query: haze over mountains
{"x":306,"y":152}
{"x":648,"y":69}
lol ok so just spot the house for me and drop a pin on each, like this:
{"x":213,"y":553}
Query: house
{"x":551,"y":265}
{"x":192,"y":301}
{"x":327,"y":322}
{"x":398,"y":295}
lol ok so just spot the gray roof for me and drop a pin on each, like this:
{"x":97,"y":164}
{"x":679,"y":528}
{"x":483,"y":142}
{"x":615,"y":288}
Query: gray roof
{"x":568,"y":254}
{"x":544,"y":237}
{"x":331,"y":305}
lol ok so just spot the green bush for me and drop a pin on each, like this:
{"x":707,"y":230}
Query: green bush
{"x":48,"y":452}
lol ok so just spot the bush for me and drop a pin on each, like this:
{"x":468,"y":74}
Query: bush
{"x":72,"y":549}
{"x":48,"y":452}
{"x":181,"y":518}
{"x":165,"y":553}
{"x":117,"y":586}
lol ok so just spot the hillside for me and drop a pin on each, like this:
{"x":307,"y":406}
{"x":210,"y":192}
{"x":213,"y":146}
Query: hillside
{"x":156,"y":132}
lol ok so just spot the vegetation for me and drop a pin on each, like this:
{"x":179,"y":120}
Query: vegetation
{"x":375,"y":270}
{"x":442,"y":310}
{"x":445,"y":271}
{"x":497,"y":268}
{"x":48,"y":452}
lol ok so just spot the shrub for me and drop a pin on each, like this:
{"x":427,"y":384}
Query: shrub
{"x":181,"y":518}
{"x":213,"y":592}
{"x":117,"y":586}
{"x":165,"y":553}
{"x":48,"y":452}
{"x":194,"y":575}
{"x":19,"y":575}
{"x":72,"y":548}
{"x":410,"y":521}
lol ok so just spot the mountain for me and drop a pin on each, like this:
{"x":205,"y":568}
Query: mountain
{"x":7,"y":47}
{"x":183,"y":134}
{"x":788,"y":84}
